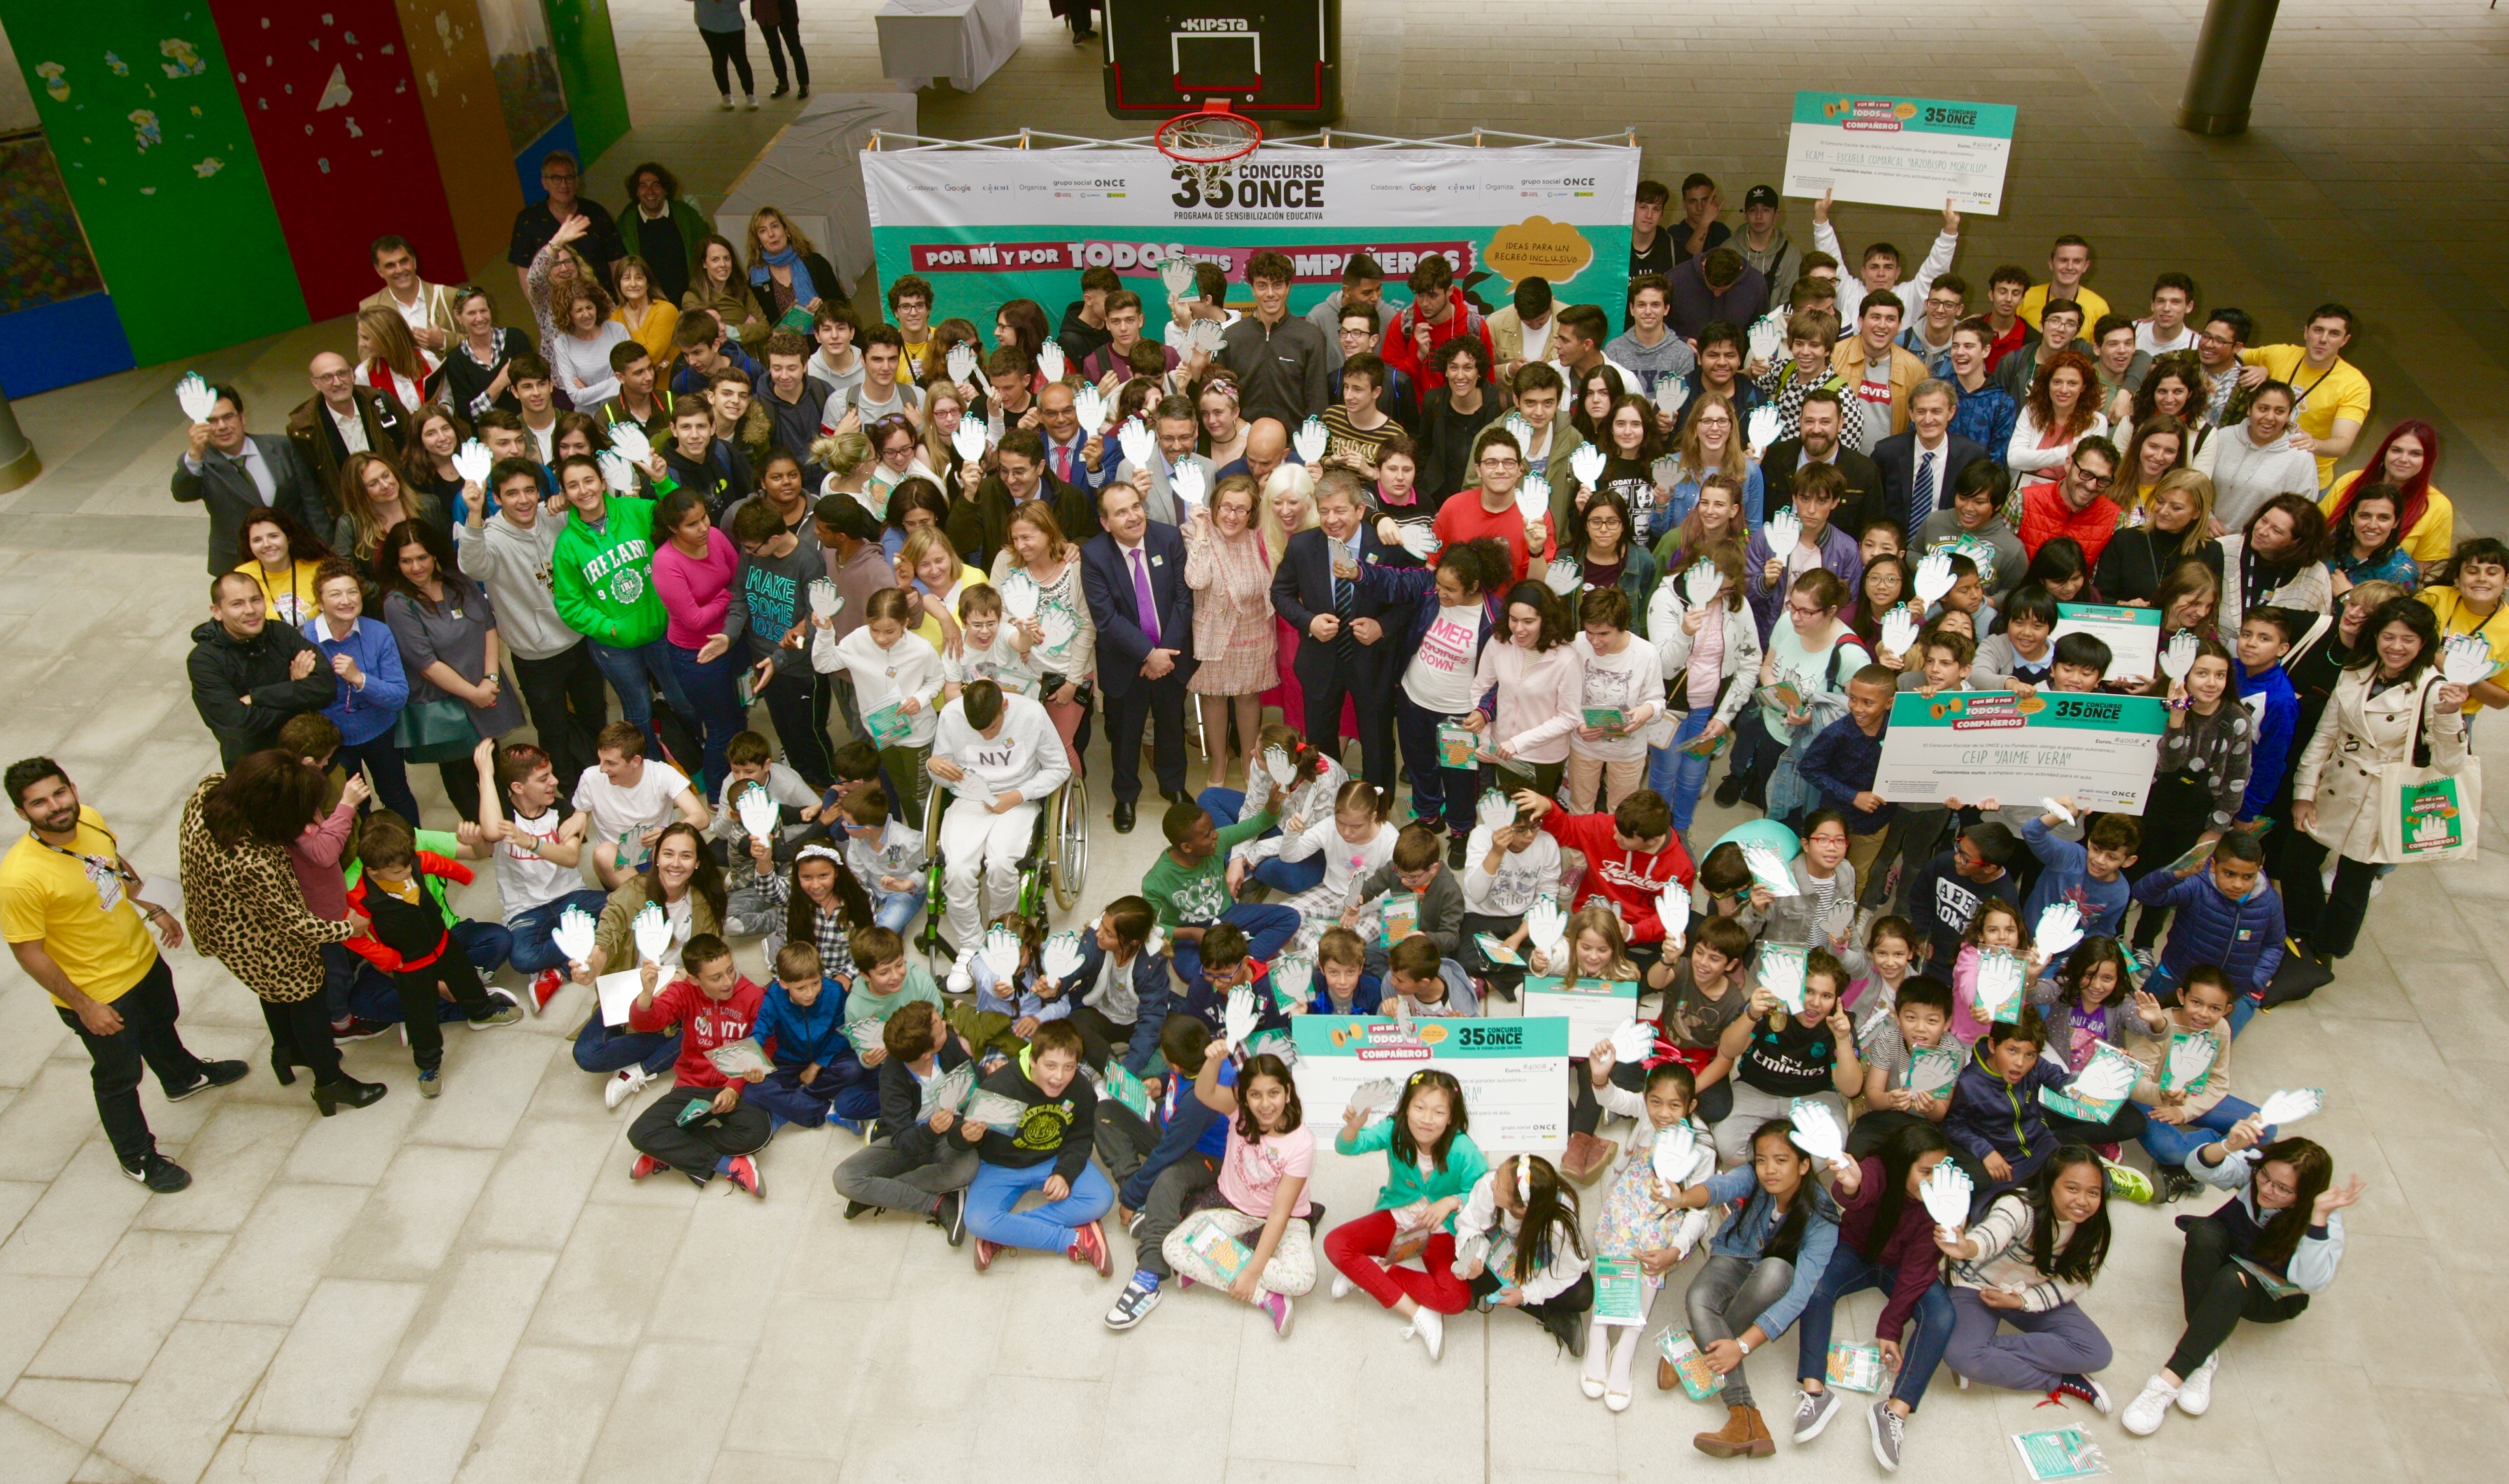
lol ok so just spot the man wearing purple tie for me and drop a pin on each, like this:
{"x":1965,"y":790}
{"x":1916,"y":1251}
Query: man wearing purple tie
{"x":1134,"y":574}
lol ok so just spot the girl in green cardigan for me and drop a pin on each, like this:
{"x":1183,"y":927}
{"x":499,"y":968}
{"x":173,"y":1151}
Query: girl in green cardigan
{"x":1431,"y":1164}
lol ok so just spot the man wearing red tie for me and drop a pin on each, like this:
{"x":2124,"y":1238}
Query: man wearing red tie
{"x":1134,"y":574}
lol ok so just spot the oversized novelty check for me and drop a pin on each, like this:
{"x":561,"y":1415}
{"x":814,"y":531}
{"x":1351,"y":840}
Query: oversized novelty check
{"x":1899,"y":152}
{"x":1514,"y":1071}
{"x":1972,"y":745}
{"x":2132,"y":635}
{"x":1593,"y":1009}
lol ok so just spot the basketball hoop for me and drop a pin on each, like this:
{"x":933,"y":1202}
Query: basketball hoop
{"x":1212,"y":135}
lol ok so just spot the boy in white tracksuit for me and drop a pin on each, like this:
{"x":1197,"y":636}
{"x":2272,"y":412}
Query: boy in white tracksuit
{"x":1008,"y":745}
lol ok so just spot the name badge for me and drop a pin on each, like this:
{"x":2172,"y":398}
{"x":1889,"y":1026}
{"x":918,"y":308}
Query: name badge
{"x":1158,"y":561}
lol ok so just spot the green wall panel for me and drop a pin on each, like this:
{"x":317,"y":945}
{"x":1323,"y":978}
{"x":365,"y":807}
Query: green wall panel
{"x":142,"y":110}
{"x":587,"y":61}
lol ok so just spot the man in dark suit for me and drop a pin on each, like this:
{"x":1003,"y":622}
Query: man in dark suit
{"x":981,"y":526}
{"x":1818,"y":444}
{"x":1350,"y":644}
{"x":1134,"y":574}
{"x":342,"y":418}
{"x":1920,"y":466}
{"x":235,"y":473}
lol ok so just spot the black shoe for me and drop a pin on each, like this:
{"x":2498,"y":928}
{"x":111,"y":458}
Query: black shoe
{"x":781,"y":88}
{"x":347,"y":1093}
{"x":951,"y":1216}
{"x":1083,"y":38}
{"x":282,"y":1065}
{"x":159,"y":1173}
{"x":1315,"y":1218}
{"x":359,"y":1028}
{"x":1730,"y":792}
{"x":855,"y":1208}
{"x":802,"y":91}
{"x":214,"y":1074}
{"x":1124,"y":817}
{"x":2174,"y":1184}
{"x":1173,"y":798}
{"x":1455,"y":845}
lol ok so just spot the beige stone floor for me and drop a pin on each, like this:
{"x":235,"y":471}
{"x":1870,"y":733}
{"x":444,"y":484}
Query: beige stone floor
{"x":471,"y":1290}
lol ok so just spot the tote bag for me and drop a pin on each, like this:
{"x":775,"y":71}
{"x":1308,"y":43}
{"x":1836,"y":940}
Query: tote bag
{"x":2425,"y":815}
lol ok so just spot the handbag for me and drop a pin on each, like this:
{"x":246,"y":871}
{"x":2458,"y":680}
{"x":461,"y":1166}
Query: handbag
{"x":2425,"y":815}
{"x":435,"y":731}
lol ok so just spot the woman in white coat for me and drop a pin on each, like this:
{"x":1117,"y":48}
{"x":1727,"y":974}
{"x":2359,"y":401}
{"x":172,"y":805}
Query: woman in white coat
{"x":2391,"y":710}
{"x":1706,"y":681}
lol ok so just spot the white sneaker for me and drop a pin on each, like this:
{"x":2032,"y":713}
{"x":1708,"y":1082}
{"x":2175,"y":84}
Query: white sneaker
{"x":625,"y":1084}
{"x":1430,"y":1328}
{"x":2195,"y":1393}
{"x":2143,"y":1414}
{"x":1342,"y":1285}
{"x":960,"y":981}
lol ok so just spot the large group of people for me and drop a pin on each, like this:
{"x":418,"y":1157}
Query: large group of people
{"x":1543,"y":573}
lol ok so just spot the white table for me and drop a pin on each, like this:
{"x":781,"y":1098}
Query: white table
{"x":961,"y":42}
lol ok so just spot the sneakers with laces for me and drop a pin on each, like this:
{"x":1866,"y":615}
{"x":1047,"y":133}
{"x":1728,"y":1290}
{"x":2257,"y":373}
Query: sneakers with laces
{"x":431,"y":1083}
{"x":1890,"y":1432}
{"x":508,"y":1010}
{"x":1277,"y":1305}
{"x":951,"y":1216}
{"x":2149,"y":1408}
{"x":1089,"y":1246}
{"x":1135,"y":1303}
{"x":359,"y":1028}
{"x":645,"y":1164}
{"x":744,"y":1174}
{"x":214,"y":1074}
{"x":986,"y":1252}
{"x":2195,"y":1393}
{"x":2082,"y":1388}
{"x":159,"y":1173}
{"x":623,"y":1084}
{"x":1429,"y":1327}
{"x":2127,"y":1183}
{"x":544,"y":988}
{"x":1342,"y":1286}
{"x":1813,"y":1412}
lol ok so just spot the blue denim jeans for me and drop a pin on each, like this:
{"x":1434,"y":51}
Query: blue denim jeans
{"x":2170,"y":1144}
{"x":1288,"y":878}
{"x":894,"y":909}
{"x":627,"y":671}
{"x":534,"y":949}
{"x":713,"y":691}
{"x":1677,"y":776}
{"x":606,"y":1048}
{"x":1920,"y":1352}
{"x":1046,"y":1228}
{"x":354,"y":988}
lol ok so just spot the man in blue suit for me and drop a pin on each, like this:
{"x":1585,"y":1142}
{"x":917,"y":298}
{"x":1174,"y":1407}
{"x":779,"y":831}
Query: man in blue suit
{"x":1134,"y":574}
{"x":1350,"y":644}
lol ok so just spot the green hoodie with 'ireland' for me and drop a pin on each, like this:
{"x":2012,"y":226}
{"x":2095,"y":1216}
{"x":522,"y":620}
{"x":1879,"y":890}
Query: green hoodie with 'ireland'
{"x":603,"y":577}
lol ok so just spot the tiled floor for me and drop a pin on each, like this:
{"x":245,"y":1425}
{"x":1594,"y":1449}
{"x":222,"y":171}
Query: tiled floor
{"x":470,"y":1288}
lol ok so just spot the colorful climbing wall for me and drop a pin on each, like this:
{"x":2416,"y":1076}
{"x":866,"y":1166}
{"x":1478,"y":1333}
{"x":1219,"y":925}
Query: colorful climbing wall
{"x":448,"y":54}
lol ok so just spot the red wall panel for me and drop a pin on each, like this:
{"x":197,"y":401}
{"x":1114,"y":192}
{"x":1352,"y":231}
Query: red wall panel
{"x":342,"y":138}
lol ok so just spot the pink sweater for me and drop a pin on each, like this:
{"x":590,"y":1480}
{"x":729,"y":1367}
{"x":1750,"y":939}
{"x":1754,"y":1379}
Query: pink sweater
{"x":1541,"y":698}
{"x":695,"y":593}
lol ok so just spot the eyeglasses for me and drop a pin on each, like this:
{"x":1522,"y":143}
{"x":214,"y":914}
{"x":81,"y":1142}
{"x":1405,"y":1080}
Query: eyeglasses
{"x":1801,"y":611}
{"x":1499,"y":463}
{"x":2091,"y":481}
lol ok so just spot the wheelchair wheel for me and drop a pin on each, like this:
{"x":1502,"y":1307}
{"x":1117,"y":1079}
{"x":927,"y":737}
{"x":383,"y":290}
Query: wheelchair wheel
{"x":1067,"y":846}
{"x":938,"y":956}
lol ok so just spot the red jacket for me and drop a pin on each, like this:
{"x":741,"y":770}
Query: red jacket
{"x":1628,"y":881}
{"x":704,"y":1023}
{"x":1403,"y":354}
{"x":2044,"y":517}
{"x":429,"y":895}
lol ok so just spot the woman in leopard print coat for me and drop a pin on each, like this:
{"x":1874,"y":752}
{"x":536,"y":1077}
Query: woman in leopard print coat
{"x":244,"y":909}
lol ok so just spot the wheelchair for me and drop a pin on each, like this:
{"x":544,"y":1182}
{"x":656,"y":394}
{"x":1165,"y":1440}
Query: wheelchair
{"x":1056,"y":862}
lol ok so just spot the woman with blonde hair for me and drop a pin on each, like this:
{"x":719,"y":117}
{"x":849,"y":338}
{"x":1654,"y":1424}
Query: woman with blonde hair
{"x":1289,"y":507}
{"x":847,"y":459}
{"x":555,"y":266}
{"x":587,"y":329}
{"x":787,"y":275}
{"x":1233,"y":622}
{"x":1223,"y":430}
{"x":943,"y":407}
{"x":2177,"y":527}
{"x":716,"y":288}
{"x":1061,"y":644}
{"x":649,"y":320}
{"x":374,"y":497}
{"x":390,"y":361}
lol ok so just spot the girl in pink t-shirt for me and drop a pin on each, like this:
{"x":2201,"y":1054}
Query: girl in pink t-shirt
{"x":1264,"y":1182}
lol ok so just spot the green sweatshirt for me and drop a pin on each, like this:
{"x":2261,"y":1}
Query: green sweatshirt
{"x":1405,"y":1183}
{"x":603,"y":579}
{"x":1190,"y":896}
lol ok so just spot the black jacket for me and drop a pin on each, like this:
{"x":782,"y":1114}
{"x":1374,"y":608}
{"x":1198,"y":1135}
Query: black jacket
{"x":227,"y":673}
{"x":317,"y":441}
{"x":1302,"y":588}
{"x":225,"y":486}
{"x":1862,"y":505}
{"x":823,"y":283}
{"x":1896,"y":457}
{"x":981,"y":526}
{"x":900,"y":1100}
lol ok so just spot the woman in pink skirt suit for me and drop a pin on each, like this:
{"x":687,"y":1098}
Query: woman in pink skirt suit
{"x":1232,"y":619}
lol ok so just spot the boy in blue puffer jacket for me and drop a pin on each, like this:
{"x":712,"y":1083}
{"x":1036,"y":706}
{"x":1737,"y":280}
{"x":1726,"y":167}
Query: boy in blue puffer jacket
{"x":817,"y":1076}
{"x":1998,"y":1127}
{"x":2229,"y":916}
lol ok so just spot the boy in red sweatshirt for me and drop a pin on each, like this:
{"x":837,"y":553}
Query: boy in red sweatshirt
{"x":1630,"y":853}
{"x":702,"y":1127}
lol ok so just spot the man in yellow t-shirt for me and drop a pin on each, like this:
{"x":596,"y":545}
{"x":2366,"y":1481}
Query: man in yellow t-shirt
{"x":2068,"y":262}
{"x":2331,"y":396}
{"x":68,"y":911}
